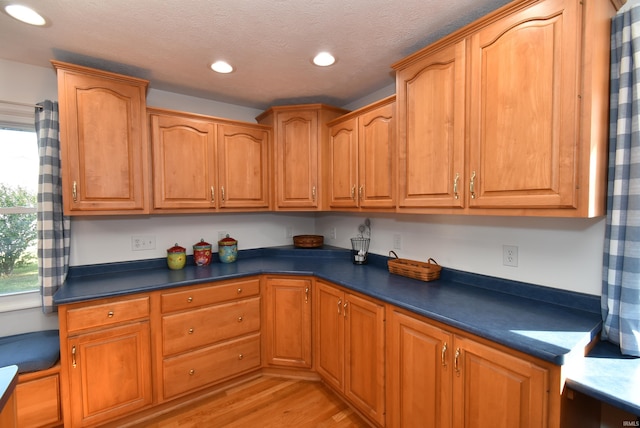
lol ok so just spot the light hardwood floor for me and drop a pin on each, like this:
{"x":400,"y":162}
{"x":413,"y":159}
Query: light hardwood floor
{"x":265,"y":402}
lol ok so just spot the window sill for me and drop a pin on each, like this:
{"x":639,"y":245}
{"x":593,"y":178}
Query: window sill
{"x":19,"y":301}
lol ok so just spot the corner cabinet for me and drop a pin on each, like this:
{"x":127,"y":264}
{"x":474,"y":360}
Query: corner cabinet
{"x":202,"y":163}
{"x":440,"y":378}
{"x":300,"y":132}
{"x":361,"y":158}
{"x":287,"y":328}
{"x":103,"y":138}
{"x":530,"y":95}
{"x":350,"y":348}
{"x":105,"y":353}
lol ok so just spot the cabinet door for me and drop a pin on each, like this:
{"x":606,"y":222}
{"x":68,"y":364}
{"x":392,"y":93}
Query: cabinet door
{"x":109,"y":373}
{"x":288,"y":322}
{"x":243,"y":159}
{"x":297,"y":159}
{"x":419,"y":368}
{"x":431,"y":130}
{"x":364,"y":382}
{"x":376,"y":167}
{"x":329,"y":334}
{"x":343,"y":164}
{"x":524,"y":108}
{"x":493,"y":388}
{"x":103,"y":142}
{"x":184,"y":162}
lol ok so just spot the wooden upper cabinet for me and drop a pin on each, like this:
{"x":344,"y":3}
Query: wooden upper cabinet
{"x":431,"y":130}
{"x":243,"y":152}
{"x":524,"y":107}
{"x":103,"y":137}
{"x":300,"y":132}
{"x":184,"y":161}
{"x":202,"y":163}
{"x":529,"y":95}
{"x":361,"y":160}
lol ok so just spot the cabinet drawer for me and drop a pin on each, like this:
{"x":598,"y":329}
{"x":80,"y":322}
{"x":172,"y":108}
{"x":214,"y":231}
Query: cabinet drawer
{"x":38,"y":402}
{"x":212,"y":293}
{"x":206,"y":366}
{"x":188,"y":330}
{"x":108,"y":313}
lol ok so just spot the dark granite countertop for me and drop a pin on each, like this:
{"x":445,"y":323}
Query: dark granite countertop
{"x":553,"y":325}
{"x":547,"y":323}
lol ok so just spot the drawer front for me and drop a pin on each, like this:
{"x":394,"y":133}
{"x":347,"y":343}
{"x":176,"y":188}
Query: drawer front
{"x":189,"y":330}
{"x":39,"y":402}
{"x":209,"y":365}
{"x":213,"y":293}
{"x":109,"y":313}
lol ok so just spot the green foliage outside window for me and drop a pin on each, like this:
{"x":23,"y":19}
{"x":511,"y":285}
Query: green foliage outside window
{"x":18,"y":234}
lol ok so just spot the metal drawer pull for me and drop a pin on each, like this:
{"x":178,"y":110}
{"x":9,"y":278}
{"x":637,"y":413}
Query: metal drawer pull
{"x":189,"y":299}
{"x":75,"y":192}
{"x":240,"y":356}
{"x":339,"y":306}
{"x":110,"y":314}
{"x":240,"y":318}
{"x":313,"y":193}
{"x":443,"y":357}
{"x":353,"y":193}
{"x":472,"y":185}
{"x":344,"y":312}
{"x":222,"y":191}
{"x":456,"y":362}
{"x":455,"y":186}
{"x":192,"y":372}
{"x":360,"y":192}
{"x":239,"y":290}
{"x":306,"y":295}
{"x":190,"y":331}
{"x":73,"y":357}
{"x":213,"y":195}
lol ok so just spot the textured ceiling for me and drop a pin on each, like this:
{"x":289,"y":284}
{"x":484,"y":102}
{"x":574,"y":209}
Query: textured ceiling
{"x":269,"y":42}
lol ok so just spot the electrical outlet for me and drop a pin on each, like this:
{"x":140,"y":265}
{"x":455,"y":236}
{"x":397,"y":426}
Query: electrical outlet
{"x":288,"y":231}
{"x":332,"y":233}
{"x":510,"y":255}
{"x":141,"y":243}
{"x":397,"y":241}
{"x":222,"y":234}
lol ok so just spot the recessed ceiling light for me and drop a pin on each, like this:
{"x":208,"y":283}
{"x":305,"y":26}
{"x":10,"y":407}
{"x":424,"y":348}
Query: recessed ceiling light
{"x":324,"y":59}
{"x":25,"y":14}
{"x":221,"y":67}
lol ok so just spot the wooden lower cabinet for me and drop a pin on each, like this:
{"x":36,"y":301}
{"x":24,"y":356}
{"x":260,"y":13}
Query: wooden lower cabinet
{"x":203,"y":367}
{"x":109,"y":374}
{"x":441,"y":379}
{"x":350,"y":348}
{"x":38,"y":399}
{"x":287,"y":326}
{"x":208,"y":333}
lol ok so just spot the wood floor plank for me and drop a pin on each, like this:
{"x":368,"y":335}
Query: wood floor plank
{"x":265,"y":402}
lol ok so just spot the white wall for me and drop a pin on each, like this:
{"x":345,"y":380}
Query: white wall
{"x":558,"y":253}
{"x":561,"y":253}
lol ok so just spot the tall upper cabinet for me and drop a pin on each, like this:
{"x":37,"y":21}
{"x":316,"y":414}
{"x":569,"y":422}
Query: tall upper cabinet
{"x":360,"y":158}
{"x":103,"y":139}
{"x":509,"y":115}
{"x":300,"y":132}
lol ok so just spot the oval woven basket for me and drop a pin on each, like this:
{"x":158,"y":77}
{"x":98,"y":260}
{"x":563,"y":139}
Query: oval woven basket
{"x":414,"y":269}
{"x":308,"y":241}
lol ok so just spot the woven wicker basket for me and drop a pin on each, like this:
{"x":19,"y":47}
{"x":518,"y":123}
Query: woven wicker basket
{"x":308,"y":241}
{"x":413,"y":269}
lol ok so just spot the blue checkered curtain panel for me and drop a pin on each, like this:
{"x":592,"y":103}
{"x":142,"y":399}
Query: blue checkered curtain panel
{"x":53,"y":227}
{"x":621,"y":271}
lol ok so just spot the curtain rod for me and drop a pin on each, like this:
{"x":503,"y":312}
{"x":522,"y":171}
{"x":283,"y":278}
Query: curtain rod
{"x":21,"y":104}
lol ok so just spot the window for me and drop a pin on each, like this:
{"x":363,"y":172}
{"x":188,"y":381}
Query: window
{"x":18,"y":198}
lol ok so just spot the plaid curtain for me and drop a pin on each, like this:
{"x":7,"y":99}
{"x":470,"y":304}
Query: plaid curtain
{"x":621,"y":273}
{"x":53,"y":227}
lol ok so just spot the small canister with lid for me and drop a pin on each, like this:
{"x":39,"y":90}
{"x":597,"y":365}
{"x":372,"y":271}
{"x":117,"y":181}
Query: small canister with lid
{"x":176,"y":257}
{"x":227,"y":250}
{"x":202,"y":253}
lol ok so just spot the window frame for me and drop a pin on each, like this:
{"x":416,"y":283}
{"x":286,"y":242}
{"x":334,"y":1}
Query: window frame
{"x":19,"y":118}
